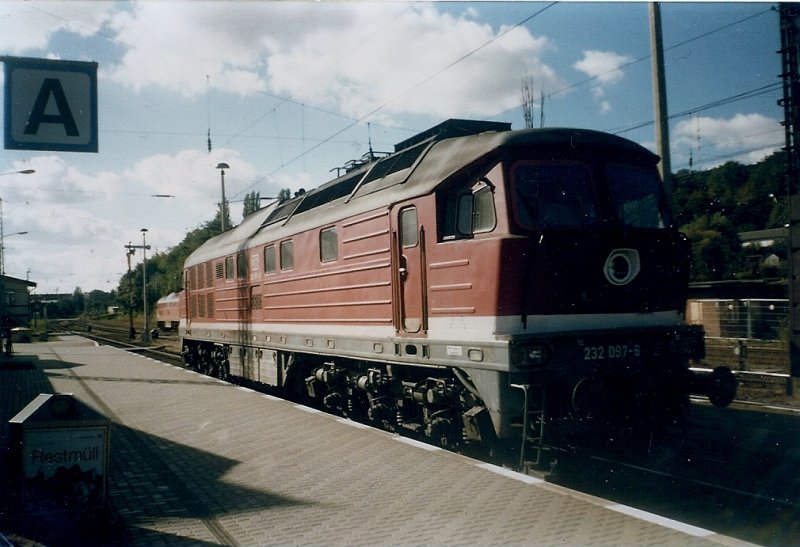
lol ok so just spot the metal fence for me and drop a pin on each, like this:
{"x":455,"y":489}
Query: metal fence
{"x":753,"y":319}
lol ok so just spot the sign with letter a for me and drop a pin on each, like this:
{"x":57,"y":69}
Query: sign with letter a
{"x":50,"y":105}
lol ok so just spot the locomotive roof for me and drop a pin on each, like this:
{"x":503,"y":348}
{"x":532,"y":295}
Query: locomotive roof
{"x":171,"y":297}
{"x":418,"y":166}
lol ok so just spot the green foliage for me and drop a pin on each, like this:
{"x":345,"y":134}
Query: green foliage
{"x":716,"y":252}
{"x":712,"y":207}
{"x":164,"y":271}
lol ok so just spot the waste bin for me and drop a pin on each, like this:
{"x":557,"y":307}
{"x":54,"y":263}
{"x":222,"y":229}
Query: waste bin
{"x":61,"y":448}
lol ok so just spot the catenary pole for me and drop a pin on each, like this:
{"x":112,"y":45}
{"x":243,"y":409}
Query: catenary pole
{"x":660,"y":94}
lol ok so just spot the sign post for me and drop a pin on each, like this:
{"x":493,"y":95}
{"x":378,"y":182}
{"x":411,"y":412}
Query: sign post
{"x":50,"y":105}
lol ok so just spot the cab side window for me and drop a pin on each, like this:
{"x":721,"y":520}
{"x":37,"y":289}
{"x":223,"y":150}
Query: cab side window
{"x":467,"y":210}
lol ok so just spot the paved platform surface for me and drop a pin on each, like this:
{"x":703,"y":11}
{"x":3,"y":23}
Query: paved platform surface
{"x":195,"y":461}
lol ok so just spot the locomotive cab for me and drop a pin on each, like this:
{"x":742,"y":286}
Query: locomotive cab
{"x":584,"y":274}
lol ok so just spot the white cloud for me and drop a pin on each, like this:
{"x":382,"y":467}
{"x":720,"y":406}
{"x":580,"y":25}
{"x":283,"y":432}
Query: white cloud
{"x":80,"y":221}
{"x":351,"y":57}
{"x":30,"y":25}
{"x":175,"y":45}
{"x":758,"y":135}
{"x":402,"y":67}
{"x":603,"y":65}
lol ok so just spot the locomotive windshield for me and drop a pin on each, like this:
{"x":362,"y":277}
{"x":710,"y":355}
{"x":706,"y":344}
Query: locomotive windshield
{"x":554,"y":195}
{"x":635,"y":193}
{"x":558,"y":195}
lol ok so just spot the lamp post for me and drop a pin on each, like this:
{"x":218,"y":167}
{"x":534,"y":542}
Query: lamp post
{"x":222,"y":167}
{"x":146,"y":334}
{"x":3,"y":249}
{"x":130,"y":250}
{"x":5,"y":321}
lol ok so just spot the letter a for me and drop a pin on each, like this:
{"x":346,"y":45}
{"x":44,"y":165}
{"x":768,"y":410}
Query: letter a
{"x":51,"y":86}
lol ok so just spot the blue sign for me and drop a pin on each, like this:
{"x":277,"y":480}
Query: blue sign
{"x":50,"y":105}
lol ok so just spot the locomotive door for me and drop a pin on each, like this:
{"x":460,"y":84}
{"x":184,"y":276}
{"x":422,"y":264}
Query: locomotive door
{"x":186,"y":301}
{"x":410,"y":274}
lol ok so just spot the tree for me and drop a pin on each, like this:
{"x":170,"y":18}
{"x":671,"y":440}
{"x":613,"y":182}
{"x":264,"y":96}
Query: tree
{"x":224,"y":209}
{"x":252,"y":203}
{"x":712,"y":207}
{"x":164,"y":270}
{"x":716,"y":252}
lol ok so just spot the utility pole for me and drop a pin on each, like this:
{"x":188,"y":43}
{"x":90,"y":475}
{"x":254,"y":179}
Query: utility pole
{"x":660,"y":94}
{"x":131,"y":250}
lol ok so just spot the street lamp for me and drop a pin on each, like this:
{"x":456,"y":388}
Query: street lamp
{"x":23,"y":172}
{"x":222,"y":167}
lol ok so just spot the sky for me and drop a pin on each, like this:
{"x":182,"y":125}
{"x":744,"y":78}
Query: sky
{"x":289,"y":91}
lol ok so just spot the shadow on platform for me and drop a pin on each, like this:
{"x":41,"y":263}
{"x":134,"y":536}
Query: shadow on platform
{"x":149,"y":479}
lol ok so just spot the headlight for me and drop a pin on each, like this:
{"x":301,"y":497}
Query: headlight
{"x":530,"y":355}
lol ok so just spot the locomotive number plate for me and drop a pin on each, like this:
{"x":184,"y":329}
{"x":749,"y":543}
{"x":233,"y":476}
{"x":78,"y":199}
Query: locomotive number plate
{"x":611,"y":352}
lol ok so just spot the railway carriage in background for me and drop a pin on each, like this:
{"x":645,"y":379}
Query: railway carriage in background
{"x":475,"y":280}
{"x":168,"y":312}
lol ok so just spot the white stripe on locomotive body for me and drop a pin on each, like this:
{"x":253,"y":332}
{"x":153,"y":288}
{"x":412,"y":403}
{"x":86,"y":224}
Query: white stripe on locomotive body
{"x":488,"y":329}
{"x":458,"y":328}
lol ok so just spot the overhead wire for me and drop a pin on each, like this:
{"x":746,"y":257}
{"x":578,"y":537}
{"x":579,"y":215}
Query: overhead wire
{"x":688,"y":112}
{"x":714,"y":104}
{"x":285,"y":99}
{"x":401,"y":94}
{"x":674,"y":46}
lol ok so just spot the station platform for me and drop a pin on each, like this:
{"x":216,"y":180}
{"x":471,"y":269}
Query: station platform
{"x":197,"y":461}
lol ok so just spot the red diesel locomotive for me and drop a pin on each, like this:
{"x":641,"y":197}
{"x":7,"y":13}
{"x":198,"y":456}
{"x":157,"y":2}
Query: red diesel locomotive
{"x":475,"y":280}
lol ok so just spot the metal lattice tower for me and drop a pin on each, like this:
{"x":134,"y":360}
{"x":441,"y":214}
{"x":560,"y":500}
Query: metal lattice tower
{"x":790,"y":54}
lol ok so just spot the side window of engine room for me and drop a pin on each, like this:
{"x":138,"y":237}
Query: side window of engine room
{"x":270,"y":264}
{"x":241,"y":265}
{"x":328,"y":244}
{"x":229,"y":268}
{"x":287,"y":255}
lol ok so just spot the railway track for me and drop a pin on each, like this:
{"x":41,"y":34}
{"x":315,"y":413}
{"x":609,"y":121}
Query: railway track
{"x":167,"y":347}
